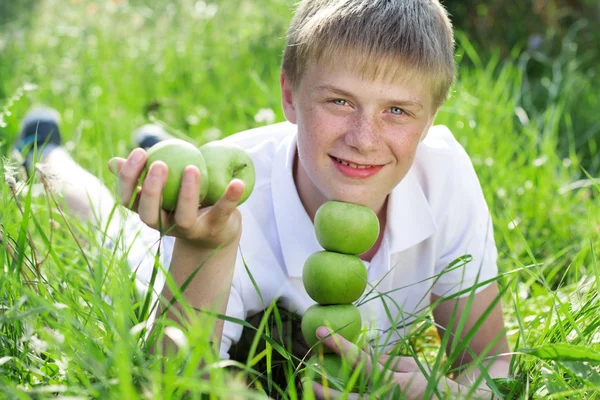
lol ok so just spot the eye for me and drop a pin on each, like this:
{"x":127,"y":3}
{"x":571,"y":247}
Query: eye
{"x":339,"y":102}
{"x":396,"y":110}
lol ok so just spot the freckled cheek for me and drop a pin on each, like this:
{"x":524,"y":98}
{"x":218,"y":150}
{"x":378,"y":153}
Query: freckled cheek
{"x":316,"y":137}
{"x":404,"y":143}
{"x":404,"y":150}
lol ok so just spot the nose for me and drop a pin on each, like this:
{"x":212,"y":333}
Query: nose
{"x":363,"y":134}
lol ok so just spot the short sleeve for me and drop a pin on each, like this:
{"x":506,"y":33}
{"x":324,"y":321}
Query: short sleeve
{"x":141,"y":245}
{"x":467,"y":254}
{"x":235,"y":308}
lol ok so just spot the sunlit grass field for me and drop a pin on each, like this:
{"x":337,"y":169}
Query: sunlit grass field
{"x":70,"y":320}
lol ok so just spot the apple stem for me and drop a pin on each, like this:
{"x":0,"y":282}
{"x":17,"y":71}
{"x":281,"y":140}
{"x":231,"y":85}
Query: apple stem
{"x":238,"y":169}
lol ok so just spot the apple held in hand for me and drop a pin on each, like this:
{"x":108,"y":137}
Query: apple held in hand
{"x":343,"y":319}
{"x":334,"y":278}
{"x":226,"y":161}
{"x":177,"y":154}
{"x":345,"y":227}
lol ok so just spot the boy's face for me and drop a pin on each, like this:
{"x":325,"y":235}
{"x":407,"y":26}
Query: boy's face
{"x":342,"y":116}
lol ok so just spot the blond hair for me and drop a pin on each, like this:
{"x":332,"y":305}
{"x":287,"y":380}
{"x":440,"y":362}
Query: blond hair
{"x":384,"y":38}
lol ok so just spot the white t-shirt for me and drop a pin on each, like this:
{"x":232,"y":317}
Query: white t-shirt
{"x":436,"y":214}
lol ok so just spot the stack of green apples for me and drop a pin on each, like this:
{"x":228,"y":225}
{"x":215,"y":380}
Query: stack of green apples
{"x":337,"y":277}
{"x":219,"y":162}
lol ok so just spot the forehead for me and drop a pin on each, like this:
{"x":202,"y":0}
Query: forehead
{"x":382,"y":73}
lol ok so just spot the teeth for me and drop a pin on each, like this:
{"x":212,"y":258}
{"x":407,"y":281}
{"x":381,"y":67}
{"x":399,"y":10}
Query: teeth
{"x":352,"y":165}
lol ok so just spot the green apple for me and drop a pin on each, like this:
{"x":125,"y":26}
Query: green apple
{"x":226,"y":161}
{"x":345,"y":227}
{"x":343,"y":319}
{"x":338,"y":373}
{"x":177,"y":154}
{"x":334,"y":278}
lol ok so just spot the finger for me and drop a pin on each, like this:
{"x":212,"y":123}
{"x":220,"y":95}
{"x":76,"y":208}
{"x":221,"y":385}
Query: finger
{"x":339,"y":344}
{"x":399,"y":363}
{"x":322,"y":393}
{"x":115,"y":164}
{"x":351,"y":353}
{"x":221,"y":211}
{"x":149,"y":208}
{"x":187,"y":202}
{"x":129,"y":174}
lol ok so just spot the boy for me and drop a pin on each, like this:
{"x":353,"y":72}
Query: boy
{"x":361,"y":84}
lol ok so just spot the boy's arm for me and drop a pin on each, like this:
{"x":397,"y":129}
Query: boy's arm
{"x":489,"y":341}
{"x":209,"y":289}
{"x":208,"y":235}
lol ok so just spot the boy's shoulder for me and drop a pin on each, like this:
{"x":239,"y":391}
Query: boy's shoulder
{"x":262,"y":137}
{"x":442,"y":165}
{"x":441,"y":149}
{"x":440,"y":139}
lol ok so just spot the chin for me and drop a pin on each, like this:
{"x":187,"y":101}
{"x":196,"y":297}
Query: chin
{"x":355,"y":197}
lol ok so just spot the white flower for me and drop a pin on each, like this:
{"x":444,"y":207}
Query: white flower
{"x":514,"y":223}
{"x":192,"y":119}
{"x":37,"y":345}
{"x":204,"y":10}
{"x":212,"y":134}
{"x":538,"y":162}
{"x":10,"y":170}
{"x":265,"y":115}
{"x":63,"y":365}
{"x":56,"y":335}
{"x":29,"y":87}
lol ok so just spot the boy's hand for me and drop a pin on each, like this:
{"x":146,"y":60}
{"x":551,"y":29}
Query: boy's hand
{"x":398,"y":371}
{"x":209,"y":227}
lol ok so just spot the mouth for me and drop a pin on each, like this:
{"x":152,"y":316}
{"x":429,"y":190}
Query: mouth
{"x":353,"y":165}
{"x":353,"y":170}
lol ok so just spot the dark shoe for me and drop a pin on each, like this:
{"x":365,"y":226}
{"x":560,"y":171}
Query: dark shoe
{"x":148,"y":135}
{"x":40,"y":131}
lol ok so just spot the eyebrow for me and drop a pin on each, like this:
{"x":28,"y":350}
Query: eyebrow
{"x":405,"y":103}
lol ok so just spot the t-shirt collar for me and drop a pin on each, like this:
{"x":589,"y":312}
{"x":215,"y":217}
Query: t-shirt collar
{"x":409,"y":219}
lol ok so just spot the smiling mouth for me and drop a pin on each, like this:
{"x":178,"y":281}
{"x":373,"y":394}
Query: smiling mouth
{"x":349,"y":164}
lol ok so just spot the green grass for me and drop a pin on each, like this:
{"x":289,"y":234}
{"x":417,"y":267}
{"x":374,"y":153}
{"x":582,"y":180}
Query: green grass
{"x":111,"y":66}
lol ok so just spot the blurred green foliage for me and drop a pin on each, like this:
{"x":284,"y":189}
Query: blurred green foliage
{"x":557,"y":41}
{"x":530,"y":23}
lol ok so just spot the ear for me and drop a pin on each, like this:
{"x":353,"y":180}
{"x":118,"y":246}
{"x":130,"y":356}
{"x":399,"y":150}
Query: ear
{"x":287,"y":98}
{"x":426,"y":130}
